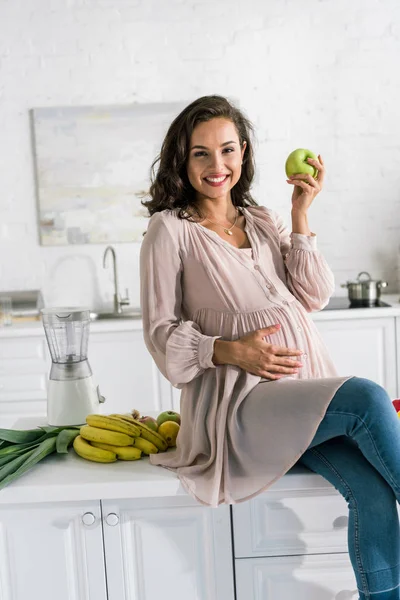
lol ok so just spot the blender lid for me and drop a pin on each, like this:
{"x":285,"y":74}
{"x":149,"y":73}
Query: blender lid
{"x":67,"y":313}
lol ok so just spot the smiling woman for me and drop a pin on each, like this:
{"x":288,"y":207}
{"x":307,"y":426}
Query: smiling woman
{"x":231,"y":329}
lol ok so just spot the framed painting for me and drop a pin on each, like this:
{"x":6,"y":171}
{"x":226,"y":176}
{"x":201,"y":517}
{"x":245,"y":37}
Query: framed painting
{"x":92,"y":165}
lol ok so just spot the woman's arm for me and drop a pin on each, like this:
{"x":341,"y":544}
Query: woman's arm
{"x":308,"y":275}
{"x":179,"y":349}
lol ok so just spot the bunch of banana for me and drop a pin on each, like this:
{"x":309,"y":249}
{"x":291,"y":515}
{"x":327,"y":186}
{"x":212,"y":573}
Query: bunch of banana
{"x":116,"y":437}
{"x":145,"y":432}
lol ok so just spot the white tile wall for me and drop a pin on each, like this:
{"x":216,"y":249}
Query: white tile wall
{"x":318,"y":74}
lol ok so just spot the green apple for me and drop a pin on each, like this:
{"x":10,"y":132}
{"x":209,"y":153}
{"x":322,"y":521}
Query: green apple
{"x":168,"y":415}
{"x":296,"y":163}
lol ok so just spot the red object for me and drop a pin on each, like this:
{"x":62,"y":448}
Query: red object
{"x":396,"y":404}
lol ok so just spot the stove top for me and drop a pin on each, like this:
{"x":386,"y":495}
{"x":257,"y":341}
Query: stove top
{"x":343,"y":303}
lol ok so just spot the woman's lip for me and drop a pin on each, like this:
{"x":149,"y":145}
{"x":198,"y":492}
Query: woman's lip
{"x":216,"y":183}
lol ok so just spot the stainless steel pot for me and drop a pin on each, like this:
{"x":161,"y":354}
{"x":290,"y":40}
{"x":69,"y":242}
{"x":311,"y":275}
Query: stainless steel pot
{"x":364,"y":292}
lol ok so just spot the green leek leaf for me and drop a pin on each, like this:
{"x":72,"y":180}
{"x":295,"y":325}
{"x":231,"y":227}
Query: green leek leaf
{"x":44,"y":449}
{"x":64,"y":439}
{"x":13,"y":465}
{"x":17,"y":436}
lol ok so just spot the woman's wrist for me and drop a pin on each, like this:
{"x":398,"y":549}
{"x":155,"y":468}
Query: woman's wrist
{"x":224,"y":352}
{"x":300,"y":222}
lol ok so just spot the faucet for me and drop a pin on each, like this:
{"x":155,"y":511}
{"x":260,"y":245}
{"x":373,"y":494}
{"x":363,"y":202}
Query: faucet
{"x":118,"y":301}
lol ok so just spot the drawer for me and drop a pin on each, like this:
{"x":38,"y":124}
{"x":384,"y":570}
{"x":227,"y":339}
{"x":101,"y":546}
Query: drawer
{"x":328,"y":576}
{"x":14,"y":368}
{"x":13,"y":410}
{"x":21,"y":386}
{"x":22,"y":348}
{"x":298,"y":521}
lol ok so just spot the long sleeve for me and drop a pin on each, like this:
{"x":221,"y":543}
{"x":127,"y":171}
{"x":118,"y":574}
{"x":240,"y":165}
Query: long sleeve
{"x":179,"y":349}
{"x":309,"y":277}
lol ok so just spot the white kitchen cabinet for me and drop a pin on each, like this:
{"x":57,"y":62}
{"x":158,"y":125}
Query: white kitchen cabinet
{"x":129,"y":378}
{"x":125,"y":371}
{"x":173,"y":549}
{"x":364,"y":347}
{"x":291,"y":542}
{"x":47,"y":551}
{"x":313,"y":577}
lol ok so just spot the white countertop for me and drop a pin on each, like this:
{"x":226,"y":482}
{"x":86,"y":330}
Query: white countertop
{"x":68,"y":478}
{"x":35,"y":328}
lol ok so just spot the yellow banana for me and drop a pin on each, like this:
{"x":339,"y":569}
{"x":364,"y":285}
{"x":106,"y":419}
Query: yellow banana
{"x":127,"y":417}
{"x":95,"y":434}
{"x":85,"y":450}
{"x":146,"y":446}
{"x":147,"y":433}
{"x":122,"y":452}
{"x":152,"y":436}
{"x":112,"y":423}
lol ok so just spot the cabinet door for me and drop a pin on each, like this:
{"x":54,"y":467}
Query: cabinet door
{"x":313,"y":577}
{"x":363,"y":347}
{"x":123,"y":368}
{"x":47,"y":552}
{"x":170,"y":548}
{"x":24,"y":368}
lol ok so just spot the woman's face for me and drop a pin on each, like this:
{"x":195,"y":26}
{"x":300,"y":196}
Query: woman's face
{"x":215,"y":157}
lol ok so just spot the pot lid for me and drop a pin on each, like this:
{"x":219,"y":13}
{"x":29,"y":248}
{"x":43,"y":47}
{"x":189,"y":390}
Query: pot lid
{"x":367,"y":279}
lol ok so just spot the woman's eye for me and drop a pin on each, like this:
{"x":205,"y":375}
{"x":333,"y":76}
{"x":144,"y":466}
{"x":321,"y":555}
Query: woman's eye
{"x":201,"y":152}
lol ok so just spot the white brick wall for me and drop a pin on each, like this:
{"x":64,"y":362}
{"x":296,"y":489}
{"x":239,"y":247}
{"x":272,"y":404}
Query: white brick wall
{"x":318,"y":74}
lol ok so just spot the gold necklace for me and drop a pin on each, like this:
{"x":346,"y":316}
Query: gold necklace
{"x":228,"y":231}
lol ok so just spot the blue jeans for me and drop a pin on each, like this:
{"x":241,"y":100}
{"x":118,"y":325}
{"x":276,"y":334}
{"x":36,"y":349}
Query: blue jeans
{"x":357,"y":449}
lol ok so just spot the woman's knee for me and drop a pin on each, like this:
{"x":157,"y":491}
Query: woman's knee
{"x":365,"y":391}
{"x":341,"y":462}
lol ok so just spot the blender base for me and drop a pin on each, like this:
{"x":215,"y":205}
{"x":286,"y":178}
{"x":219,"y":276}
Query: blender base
{"x":69,"y":402}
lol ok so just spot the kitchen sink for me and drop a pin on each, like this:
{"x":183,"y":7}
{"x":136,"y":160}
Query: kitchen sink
{"x":126,"y":314}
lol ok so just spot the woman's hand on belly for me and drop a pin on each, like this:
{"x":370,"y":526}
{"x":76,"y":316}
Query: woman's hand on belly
{"x":253,"y":354}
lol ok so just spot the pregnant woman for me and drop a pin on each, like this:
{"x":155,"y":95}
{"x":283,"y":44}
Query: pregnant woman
{"x":225,"y":296}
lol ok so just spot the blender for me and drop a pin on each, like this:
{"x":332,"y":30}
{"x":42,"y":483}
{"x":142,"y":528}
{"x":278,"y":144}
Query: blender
{"x":72,"y":393}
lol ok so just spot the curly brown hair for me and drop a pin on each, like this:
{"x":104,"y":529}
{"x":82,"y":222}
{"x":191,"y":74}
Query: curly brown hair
{"x":170,"y":186}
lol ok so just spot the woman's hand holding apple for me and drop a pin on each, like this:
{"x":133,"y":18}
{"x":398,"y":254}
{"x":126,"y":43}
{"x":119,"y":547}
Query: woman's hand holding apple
{"x":306,"y":187}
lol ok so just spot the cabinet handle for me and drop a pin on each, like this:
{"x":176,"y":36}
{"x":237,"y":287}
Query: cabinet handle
{"x":88,"y":518}
{"x":112,"y":519}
